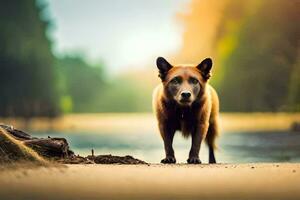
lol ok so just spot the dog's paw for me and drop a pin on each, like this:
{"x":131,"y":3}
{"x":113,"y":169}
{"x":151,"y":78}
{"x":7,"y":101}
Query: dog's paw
{"x":194,"y":160}
{"x":168,"y":160}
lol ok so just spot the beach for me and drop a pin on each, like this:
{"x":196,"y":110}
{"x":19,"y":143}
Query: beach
{"x":259,"y":158}
{"x":154,"y":181}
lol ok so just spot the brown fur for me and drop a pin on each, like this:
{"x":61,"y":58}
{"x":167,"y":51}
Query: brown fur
{"x":197,"y":118}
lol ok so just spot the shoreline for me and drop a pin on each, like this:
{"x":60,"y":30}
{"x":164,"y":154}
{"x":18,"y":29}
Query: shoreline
{"x":154,"y":181}
{"x":110,"y":123}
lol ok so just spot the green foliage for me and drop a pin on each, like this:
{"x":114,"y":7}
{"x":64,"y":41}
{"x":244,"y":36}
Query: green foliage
{"x":66,"y":104}
{"x":27,"y":78}
{"x":35,"y":83}
{"x":85,"y":89}
{"x":294,"y":87}
{"x":80,"y":84}
{"x":125,"y":95}
{"x":257,"y":72}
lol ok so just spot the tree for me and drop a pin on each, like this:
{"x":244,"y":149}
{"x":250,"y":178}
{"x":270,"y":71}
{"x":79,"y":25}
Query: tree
{"x":257,"y":72}
{"x":27,"y":75}
{"x":82,"y":84}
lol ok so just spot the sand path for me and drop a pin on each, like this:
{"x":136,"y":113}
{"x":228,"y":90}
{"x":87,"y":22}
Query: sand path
{"x":221,"y":181}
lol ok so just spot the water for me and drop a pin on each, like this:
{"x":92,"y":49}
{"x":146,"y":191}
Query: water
{"x":233,"y":147}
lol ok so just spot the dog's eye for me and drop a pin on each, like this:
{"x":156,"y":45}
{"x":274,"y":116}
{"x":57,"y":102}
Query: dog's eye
{"x":193,"y":81}
{"x":176,"y":80}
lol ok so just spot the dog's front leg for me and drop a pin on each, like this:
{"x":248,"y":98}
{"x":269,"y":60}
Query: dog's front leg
{"x":167,"y":134}
{"x":197,"y":136}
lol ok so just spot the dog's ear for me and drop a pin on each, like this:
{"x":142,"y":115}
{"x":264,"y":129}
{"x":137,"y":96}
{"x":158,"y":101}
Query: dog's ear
{"x":163,"y":67}
{"x":205,"y":68}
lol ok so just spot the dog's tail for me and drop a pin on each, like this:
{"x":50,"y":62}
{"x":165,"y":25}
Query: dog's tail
{"x":213,"y":129}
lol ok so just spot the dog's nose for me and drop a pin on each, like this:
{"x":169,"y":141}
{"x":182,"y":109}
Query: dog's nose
{"x":185,"y":94}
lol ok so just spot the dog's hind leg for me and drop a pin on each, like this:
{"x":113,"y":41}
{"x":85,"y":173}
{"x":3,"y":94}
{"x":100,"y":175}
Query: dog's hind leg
{"x":212,"y":133}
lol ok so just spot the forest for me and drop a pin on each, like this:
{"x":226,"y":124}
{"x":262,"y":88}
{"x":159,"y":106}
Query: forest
{"x":255,"y":46}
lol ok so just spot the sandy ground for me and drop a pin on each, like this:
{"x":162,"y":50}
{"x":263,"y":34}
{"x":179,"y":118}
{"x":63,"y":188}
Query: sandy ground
{"x":221,"y":181}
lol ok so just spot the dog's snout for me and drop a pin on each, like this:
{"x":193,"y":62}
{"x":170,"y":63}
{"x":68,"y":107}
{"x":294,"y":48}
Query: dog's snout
{"x":185,"y":94}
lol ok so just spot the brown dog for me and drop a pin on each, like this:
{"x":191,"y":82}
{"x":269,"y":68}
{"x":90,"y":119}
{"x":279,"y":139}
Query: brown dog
{"x":185,"y":101}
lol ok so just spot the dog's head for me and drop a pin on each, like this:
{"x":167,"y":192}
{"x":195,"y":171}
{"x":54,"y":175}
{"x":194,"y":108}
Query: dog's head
{"x":184,"y":84}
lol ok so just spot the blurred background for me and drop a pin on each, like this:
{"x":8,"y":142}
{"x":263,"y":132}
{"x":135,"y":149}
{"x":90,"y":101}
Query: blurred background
{"x":85,"y":70}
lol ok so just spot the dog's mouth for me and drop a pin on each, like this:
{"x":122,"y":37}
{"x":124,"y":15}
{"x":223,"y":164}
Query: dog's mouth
{"x":185,"y":101}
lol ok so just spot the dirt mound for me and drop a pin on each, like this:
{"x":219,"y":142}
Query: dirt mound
{"x":110,"y":159}
{"x":16,"y":145}
{"x":12,"y":150}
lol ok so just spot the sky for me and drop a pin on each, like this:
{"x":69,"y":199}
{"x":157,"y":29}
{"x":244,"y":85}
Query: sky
{"x":123,"y":34}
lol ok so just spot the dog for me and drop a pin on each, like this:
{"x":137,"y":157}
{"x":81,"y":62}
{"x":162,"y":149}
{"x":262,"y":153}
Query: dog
{"x":185,"y":101}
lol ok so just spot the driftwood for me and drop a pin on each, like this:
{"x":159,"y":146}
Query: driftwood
{"x":14,"y":151}
{"x":47,"y":147}
{"x":57,"y":149}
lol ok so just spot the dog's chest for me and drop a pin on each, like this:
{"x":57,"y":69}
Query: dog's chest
{"x":186,"y":122}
